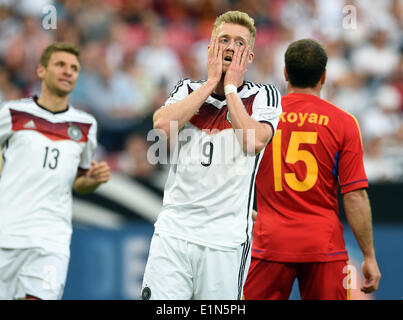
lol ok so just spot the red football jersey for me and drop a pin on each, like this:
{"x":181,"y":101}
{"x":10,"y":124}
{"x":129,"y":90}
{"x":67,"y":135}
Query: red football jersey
{"x":316,"y":148}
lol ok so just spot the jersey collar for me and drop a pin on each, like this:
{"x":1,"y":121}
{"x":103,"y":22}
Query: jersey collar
{"x":35,"y":99}
{"x":222,"y":98}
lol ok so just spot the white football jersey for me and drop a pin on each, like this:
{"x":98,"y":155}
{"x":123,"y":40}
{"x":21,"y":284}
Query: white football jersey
{"x":208,"y":196}
{"x":41,"y":152}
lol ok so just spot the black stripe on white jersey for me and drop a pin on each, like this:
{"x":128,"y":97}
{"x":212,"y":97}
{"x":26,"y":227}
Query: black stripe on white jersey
{"x":244,"y":259}
{"x":198,"y":81}
{"x":246,"y":249}
{"x":250,"y":196}
{"x":178,"y":85}
{"x":3,"y":154}
{"x":251,"y":85}
{"x":273,"y":95}
{"x":277,"y":95}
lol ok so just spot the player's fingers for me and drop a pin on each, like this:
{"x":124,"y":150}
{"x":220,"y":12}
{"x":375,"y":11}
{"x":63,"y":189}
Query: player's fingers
{"x":370,"y":285}
{"x":90,"y":171}
{"x":241,"y":53}
{"x":101,"y":175}
{"x":104,"y":177}
{"x":100,"y":165}
{"x":103,"y":165}
{"x":245,"y":54}
{"x":235,"y":57}
{"x":368,"y":289}
{"x":96,"y":166}
{"x":210,"y":50}
{"x":100,"y":171}
{"x":93,"y":172}
{"x":218,"y":48}
{"x":213,"y":45}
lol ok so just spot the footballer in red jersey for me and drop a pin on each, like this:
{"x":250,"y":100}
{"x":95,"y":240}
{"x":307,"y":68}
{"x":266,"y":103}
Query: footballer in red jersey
{"x":298,"y":234}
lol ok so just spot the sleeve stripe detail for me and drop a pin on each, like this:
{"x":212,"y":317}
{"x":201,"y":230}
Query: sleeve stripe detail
{"x":345,"y":185}
{"x":272,"y":96}
{"x":178,"y":85}
{"x":268,"y":97}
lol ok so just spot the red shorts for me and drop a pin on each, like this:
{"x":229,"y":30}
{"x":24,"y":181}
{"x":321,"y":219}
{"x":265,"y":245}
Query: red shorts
{"x":270,"y":280}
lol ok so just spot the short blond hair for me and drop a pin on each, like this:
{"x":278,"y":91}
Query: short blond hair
{"x":237,"y":17}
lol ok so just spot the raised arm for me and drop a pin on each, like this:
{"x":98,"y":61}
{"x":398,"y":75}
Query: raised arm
{"x":182,"y":111}
{"x":253,"y":135}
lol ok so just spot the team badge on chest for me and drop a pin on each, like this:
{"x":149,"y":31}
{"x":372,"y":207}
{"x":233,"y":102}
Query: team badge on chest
{"x":75,"y":133}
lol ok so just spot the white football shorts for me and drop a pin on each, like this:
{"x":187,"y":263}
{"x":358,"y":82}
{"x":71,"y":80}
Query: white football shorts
{"x":32,"y":272}
{"x":180,"y":270}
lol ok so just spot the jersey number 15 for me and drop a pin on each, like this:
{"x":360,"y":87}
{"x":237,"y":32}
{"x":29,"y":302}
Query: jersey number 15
{"x":293,"y":155}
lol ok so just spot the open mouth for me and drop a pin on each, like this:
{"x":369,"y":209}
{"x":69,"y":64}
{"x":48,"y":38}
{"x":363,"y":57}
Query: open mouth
{"x":228,"y":59}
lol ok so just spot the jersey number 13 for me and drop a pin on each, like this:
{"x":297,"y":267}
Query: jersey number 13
{"x":51,"y":158}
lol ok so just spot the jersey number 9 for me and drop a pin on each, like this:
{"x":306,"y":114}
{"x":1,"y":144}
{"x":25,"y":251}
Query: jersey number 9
{"x":207,"y":153}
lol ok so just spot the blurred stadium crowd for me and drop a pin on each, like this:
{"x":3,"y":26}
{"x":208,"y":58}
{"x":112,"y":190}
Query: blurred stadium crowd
{"x":134,"y":52}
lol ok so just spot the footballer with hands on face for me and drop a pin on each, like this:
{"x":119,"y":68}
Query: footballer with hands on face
{"x":201,"y":245}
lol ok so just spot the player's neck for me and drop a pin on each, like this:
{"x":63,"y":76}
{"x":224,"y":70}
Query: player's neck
{"x":51,"y":101}
{"x":219,"y":90}
{"x":312,"y":91}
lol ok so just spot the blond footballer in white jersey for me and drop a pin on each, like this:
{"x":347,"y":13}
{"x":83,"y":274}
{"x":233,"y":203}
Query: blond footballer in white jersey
{"x":47,"y":149}
{"x":201,"y":245}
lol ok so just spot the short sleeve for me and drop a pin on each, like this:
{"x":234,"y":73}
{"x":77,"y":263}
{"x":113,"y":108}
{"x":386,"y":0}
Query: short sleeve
{"x":89,"y":149}
{"x":350,"y":167}
{"x":267,"y":106}
{"x":5,"y":123}
{"x":179,"y":92}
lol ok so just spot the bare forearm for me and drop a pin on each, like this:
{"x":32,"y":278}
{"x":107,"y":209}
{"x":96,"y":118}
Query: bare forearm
{"x":359,"y":217}
{"x":84,"y":185}
{"x":88,"y":180}
{"x":252,"y":134}
{"x":182,"y":111}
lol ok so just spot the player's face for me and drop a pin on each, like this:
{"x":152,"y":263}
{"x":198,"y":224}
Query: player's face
{"x":232,"y":36}
{"x":61,"y":73}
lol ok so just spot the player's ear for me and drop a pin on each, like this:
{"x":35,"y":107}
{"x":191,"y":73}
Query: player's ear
{"x":251,"y":57}
{"x":285,"y":74}
{"x":323,"y":78}
{"x":40,"y":71}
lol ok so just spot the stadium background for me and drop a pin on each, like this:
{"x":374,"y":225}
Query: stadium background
{"x":133,"y":53}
